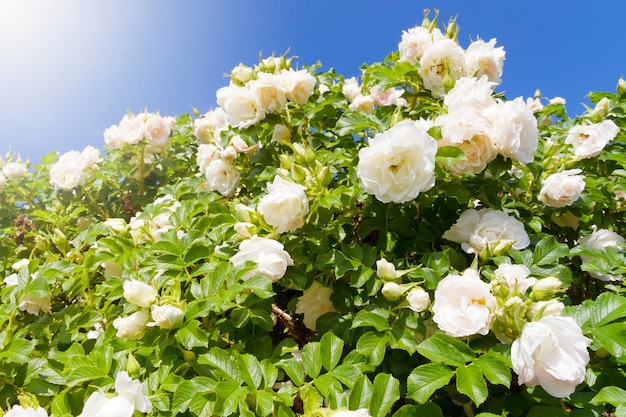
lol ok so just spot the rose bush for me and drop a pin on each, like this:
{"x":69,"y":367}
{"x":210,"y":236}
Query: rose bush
{"x":406,"y":242}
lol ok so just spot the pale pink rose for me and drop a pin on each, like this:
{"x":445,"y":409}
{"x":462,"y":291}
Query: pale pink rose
{"x":222,"y":177}
{"x":13,"y":171}
{"x":132,"y":326}
{"x":298,"y":85}
{"x":113,"y":137}
{"x":483,"y":58}
{"x":389,"y":97}
{"x":398,"y":164}
{"x":463,"y":305}
{"x":284,"y":206}
{"x":589,"y":140}
{"x":269,"y":255}
{"x":414,"y":42}
{"x":562,"y":189}
{"x":442,"y":60}
{"x":476,"y":229}
{"x":351,"y":88}
{"x":131,"y":129}
{"x":313,"y":303}
{"x":269,"y":91}
{"x":552,"y":353}
{"x":242,"y":106}
{"x":34,"y":304}
{"x":241,"y":146}
{"x":534,"y":104}
{"x":156,"y":130}
{"x":514,"y":129}
{"x":602,"y":239}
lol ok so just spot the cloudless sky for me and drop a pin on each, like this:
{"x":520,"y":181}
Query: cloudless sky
{"x":71,"y":68}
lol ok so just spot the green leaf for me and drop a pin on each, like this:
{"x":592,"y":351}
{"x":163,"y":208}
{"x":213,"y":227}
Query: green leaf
{"x":224,"y":363}
{"x":264,"y":403}
{"x":373,"y":346}
{"x":251,"y":370}
{"x":294,"y":370}
{"x":610,"y":395}
{"x":201,"y":406}
{"x":470,"y":381}
{"x":607,"y":308}
{"x":494,"y":370}
{"x":613,"y":338}
{"x":426,"y":379}
{"x":377,"y":319}
{"x":428,"y":409}
{"x":331,"y":348}
{"x":546,"y":410}
{"x":183,"y":395}
{"x":360,"y":394}
{"x":347,"y":374}
{"x":549,"y":251}
{"x":446,"y":349}
{"x":385,"y":393}
{"x":195,"y":253}
{"x":228,"y":396}
{"x":18,"y":350}
{"x":83,"y":374}
{"x":312,"y":359}
{"x":192,"y":335}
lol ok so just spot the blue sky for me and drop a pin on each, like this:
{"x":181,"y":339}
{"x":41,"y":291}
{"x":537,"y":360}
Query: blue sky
{"x":69,"y":68}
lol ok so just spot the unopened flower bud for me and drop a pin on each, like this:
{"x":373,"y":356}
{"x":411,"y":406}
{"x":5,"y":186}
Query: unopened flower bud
{"x":621,"y":87}
{"x":385,"y":270}
{"x":115,"y":226}
{"x":545,"y":308}
{"x":132,"y":366}
{"x":545,"y":289}
{"x":281,"y":134}
{"x":600,"y":110}
{"x":241,"y":74}
{"x":418,"y":299}
{"x":391,"y":291}
{"x":245,"y":229}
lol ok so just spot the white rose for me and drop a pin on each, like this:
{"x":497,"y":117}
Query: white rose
{"x":418,"y":299}
{"x":398,"y":164}
{"x":131,"y":129}
{"x":19,"y":411}
{"x":389,"y":97}
{"x":160,"y":224}
{"x":14,"y":170}
{"x":156,"y":130}
{"x":206,"y":154}
{"x":516,"y":277}
{"x":241,"y":146}
{"x":131,"y":326}
{"x":35,"y":305}
{"x":589,"y":140}
{"x":139,"y":293}
{"x":363,"y":103}
{"x":468,"y":132}
{"x":115,"y":225}
{"x":483,"y":58}
{"x":298,"y":85}
{"x":111,"y":269}
{"x":470,"y":96}
{"x":414,"y":42}
{"x":269,"y":91}
{"x":100,"y":405}
{"x":133,"y":391}
{"x":11,"y":280}
{"x":514,"y":129}
{"x":167,"y":316}
{"x":21,"y":264}
{"x":562,"y":189}
{"x":113,"y":137}
{"x":313,"y":303}
{"x":285,"y":206}
{"x":67,"y":173}
{"x":551,"y":352}
{"x":602,"y":239}
{"x":463,"y":305}
{"x":3,"y":181}
{"x":442,"y":60}
{"x":208,"y":127}
{"x":269,"y":255}
{"x":539,"y":309}
{"x":242,"y":73}
{"x":242,"y":105}
{"x":475,"y":229}
{"x":91,"y":157}
{"x":222,"y":177}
